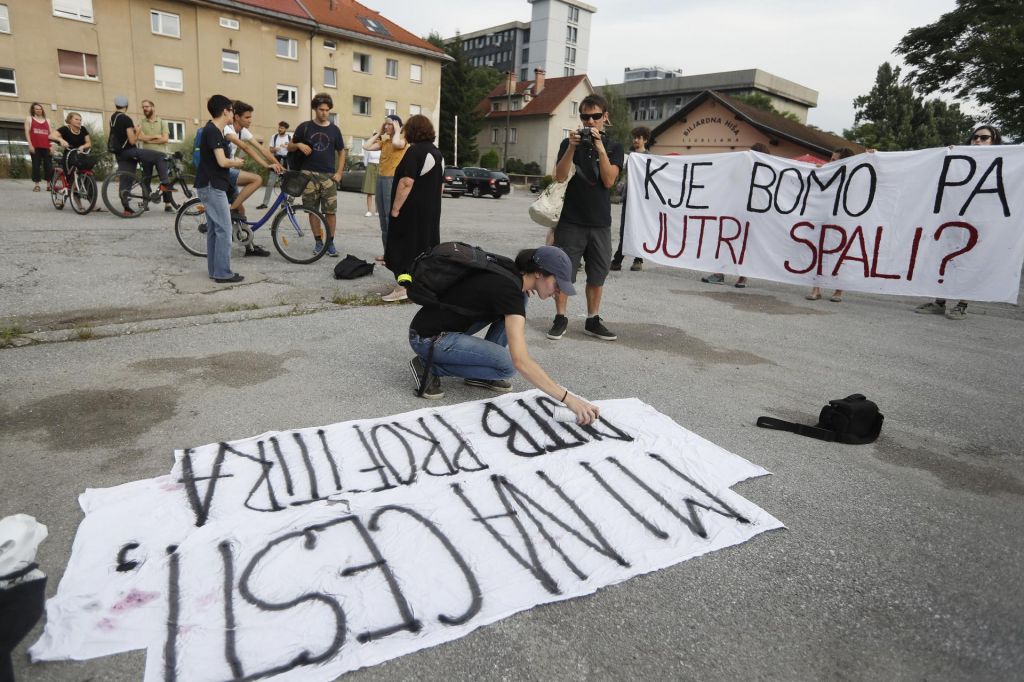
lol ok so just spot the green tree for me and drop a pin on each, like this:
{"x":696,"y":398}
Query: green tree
{"x":618,"y":116}
{"x":761,"y":101}
{"x":892,"y":117}
{"x":973,"y":52}
{"x":462,"y":88}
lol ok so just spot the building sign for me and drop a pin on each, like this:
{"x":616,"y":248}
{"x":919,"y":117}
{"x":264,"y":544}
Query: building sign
{"x":712,"y":129}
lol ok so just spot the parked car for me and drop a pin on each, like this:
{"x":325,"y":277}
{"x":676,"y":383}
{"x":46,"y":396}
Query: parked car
{"x":454,"y":182}
{"x":480,"y":181}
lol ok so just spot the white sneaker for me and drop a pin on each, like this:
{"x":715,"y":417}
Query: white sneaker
{"x":399,"y":294}
{"x":368,"y":215}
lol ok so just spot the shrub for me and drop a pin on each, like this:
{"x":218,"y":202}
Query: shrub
{"x":514,"y":165}
{"x":532,"y":168}
{"x":545,"y":181}
{"x":489,"y":159}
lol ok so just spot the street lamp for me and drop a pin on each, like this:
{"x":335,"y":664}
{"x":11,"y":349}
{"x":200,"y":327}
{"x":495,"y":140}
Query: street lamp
{"x":508,"y":116}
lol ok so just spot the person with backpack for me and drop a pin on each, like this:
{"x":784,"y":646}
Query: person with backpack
{"x":490,"y":294}
{"x":122,"y":144}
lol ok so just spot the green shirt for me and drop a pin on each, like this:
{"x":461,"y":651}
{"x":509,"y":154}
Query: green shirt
{"x":154,"y":127}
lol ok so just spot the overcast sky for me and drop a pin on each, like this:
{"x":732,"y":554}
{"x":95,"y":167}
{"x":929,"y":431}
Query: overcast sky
{"x":834,"y":48}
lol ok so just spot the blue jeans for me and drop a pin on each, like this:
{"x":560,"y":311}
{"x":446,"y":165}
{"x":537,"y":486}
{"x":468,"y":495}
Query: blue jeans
{"x":460,"y":354}
{"x":218,"y":231}
{"x":384,"y":183}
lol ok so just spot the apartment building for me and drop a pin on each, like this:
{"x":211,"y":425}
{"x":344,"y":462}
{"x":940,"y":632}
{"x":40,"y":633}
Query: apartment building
{"x":555,"y":40}
{"x":77,"y":55}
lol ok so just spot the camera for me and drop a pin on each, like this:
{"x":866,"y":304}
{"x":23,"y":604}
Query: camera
{"x":586,"y":137}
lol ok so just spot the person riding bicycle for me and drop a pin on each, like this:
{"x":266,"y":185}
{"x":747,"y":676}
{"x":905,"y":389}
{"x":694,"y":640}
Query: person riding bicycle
{"x":74,"y":136}
{"x":239,"y":137}
{"x":123,"y":138}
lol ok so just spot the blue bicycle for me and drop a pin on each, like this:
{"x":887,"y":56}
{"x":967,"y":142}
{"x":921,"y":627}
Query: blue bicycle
{"x":294,"y":230}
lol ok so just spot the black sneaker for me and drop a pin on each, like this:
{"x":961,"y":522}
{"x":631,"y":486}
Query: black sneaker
{"x":593,"y":327}
{"x":496,"y":385}
{"x":558,"y":328}
{"x":616,"y":265}
{"x":637,"y":266}
{"x":256,"y":250}
{"x":433,"y":390}
{"x":261,"y":207}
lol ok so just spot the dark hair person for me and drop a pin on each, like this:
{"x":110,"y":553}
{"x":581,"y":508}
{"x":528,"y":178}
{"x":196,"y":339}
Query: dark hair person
{"x":445,"y":343}
{"x":414,"y":225}
{"x":37,"y":133}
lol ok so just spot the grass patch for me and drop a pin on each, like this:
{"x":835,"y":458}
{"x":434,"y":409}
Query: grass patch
{"x":246,"y":306}
{"x":8,"y":334}
{"x":358,"y":299}
{"x":84,"y":332}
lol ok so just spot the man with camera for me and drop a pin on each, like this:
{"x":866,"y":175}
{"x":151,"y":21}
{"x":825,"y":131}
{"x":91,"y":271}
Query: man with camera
{"x":584,"y":228}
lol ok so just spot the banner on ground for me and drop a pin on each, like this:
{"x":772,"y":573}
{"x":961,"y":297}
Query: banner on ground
{"x":303,"y":554}
{"x":942,"y":222}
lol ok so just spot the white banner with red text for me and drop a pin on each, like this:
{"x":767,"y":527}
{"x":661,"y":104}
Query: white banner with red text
{"x":946,"y":222}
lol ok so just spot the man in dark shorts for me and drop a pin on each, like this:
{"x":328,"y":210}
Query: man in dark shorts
{"x":324,"y":148}
{"x":444,"y":340}
{"x":584,"y":228}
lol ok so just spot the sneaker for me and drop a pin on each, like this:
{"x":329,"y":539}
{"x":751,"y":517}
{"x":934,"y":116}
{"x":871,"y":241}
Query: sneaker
{"x":930,"y":307}
{"x":229,"y":280}
{"x":717,"y":278}
{"x":168,"y":208}
{"x":957,"y":312}
{"x":594,"y":327}
{"x":496,"y":385}
{"x":318,"y":246}
{"x":637,"y":265}
{"x":558,"y":328}
{"x":331,"y":251}
{"x":256,"y":250}
{"x":433,"y":390}
{"x":399,"y":294}
{"x":261,"y":207}
{"x":368,"y":215}
{"x":616,"y":265}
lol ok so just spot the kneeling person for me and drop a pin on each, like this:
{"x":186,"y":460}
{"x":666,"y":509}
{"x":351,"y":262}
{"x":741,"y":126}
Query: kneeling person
{"x":444,"y":339}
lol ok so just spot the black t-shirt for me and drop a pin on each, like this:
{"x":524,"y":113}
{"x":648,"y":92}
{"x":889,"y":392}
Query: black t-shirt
{"x":209,"y":171}
{"x":74,"y":141}
{"x":326,"y":141}
{"x":492,"y":293}
{"x":587,"y":201}
{"x":119,"y":125}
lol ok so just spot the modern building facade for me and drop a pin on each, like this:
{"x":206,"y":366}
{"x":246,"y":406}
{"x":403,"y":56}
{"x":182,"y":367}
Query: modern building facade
{"x":77,"y":55}
{"x":652,"y":100}
{"x":556,"y":40}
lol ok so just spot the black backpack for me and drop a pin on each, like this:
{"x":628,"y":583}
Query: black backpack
{"x":853,"y":419}
{"x":295,"y":159}
{"x":114,"y":143}
{"x":436,"y":271}
{"x":351,"y":267}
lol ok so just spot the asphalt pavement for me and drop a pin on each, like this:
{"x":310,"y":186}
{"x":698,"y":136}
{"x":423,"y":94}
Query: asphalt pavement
{"x":901,"y":559}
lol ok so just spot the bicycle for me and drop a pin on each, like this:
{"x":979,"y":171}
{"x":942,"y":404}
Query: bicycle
{"x":135,"y":199}
{"x":73,"y":180}
{"x":291,"y":230}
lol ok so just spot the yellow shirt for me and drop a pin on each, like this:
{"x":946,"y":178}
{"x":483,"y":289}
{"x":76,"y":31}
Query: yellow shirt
{"x":389,"y":158}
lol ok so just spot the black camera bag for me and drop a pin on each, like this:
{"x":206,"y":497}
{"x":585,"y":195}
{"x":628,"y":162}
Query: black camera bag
{"x":853,"y":419}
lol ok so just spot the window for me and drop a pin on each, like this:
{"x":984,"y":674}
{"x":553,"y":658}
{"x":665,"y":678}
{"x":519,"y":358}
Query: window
{"x":330,"y":77}
{"x":522,"y":74}
{"x":360,"y":62}
{"x":8,"y":86}
{"x":78,"y":64}
{"x":570,"y":34}
{"x":574,"y":15}
{"x":570,"y":71}
{"x":333,"y":117}
{"x":5,"y":20}
{"x":494,"y":135}
{"x":526,"y":54}
{"x":360,"y":105}
{"x":73,"y":9}
{"x":165,"y":24}
{"x":229,"y":23}
{"x":390,"y":108}
{"x":415,"y":109}
{"x":229,"y":61}
{"x":288,"y":48}
{"x":175,"y":131}
{"x":287,"y":95}
{"x":330,"y":45}
{"x":168,"y":78}
{"x":570,"y":55}
{"x":391,"y":71}
{"x":415,"y":73}
{"x":575,"y":107}
{"x":495,"y":106}
{"x":565,"y":133}
{"x":512,"y":135}
{"x":517,"y":104}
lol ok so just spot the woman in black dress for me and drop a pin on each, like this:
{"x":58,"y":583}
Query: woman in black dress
{"x":415,"y":223}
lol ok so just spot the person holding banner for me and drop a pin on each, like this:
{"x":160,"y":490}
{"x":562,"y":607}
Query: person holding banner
{"x":982,"y":135}
{"x":584,"y":228}
{"x":641,"y":141}
{"x":837,"y":295}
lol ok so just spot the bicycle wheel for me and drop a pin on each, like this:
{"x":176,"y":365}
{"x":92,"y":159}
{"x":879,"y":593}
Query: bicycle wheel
{"x":190,"y":227}
{"x":293,"y":234}
{"x":57,"y":194}
{"x":83,"y":193}
{"x":182,"y":190}
{"x":129,"y":203}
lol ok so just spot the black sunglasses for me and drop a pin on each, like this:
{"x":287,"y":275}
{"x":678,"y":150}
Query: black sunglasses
{"x":982,"y":137}
{"x":591,"y":117}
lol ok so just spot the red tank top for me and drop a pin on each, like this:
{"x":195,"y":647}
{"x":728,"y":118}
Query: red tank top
{"x":39,"y":134}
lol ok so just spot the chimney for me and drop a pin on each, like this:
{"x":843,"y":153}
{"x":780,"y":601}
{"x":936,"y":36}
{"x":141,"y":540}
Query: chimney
{"x":333,"y":5}
{"x":510,"y":83}
{"x":538,"y":83}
